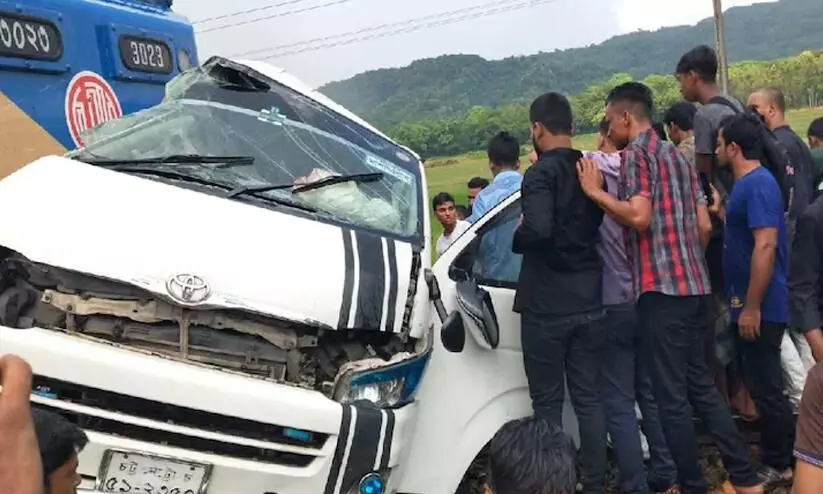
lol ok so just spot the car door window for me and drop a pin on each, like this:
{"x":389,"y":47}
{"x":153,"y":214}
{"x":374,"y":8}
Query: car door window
{"x":489,"y":259}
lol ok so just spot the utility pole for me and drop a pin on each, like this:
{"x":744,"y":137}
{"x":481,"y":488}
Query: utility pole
{"x":720,"y":46}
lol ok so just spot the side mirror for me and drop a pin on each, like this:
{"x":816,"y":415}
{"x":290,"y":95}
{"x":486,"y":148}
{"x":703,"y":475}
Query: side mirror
{"x":453,"y":333}
{"x":478,"y":313}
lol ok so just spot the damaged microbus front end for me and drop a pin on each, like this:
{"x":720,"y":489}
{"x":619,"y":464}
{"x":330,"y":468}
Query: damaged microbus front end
{"x":225,"y":290}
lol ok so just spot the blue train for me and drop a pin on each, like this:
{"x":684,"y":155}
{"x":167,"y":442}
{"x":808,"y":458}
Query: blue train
{"x":69,"y":65}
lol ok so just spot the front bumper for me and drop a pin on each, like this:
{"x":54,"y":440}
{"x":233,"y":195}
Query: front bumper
{"x":136,"y":401}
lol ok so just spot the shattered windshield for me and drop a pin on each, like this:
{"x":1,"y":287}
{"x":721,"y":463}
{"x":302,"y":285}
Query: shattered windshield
{"x":223,"y":109}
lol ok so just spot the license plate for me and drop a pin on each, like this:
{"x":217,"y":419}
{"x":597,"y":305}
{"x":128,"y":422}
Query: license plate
{"x":128,"y":472}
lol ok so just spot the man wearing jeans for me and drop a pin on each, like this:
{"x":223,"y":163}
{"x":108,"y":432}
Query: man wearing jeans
{"x":624,"y":377}
{"x":754,"y":263}
{"x":662,"y":204}
{"x":559,"y":289}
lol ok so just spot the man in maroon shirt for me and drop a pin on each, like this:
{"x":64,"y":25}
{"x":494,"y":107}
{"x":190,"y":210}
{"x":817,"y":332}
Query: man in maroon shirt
{"x":662,"y":205}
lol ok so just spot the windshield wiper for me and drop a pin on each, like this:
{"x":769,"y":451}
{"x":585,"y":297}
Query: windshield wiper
{"x":172,"y":174}
{"x":181,"y":159}
{"x":184,"y":177}
{"x":339,"y":179}
{"x":323,"y":182}
{"x":256,"y":192}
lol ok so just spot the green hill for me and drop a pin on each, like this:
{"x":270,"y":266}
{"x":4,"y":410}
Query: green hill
{"x":451,"y":85}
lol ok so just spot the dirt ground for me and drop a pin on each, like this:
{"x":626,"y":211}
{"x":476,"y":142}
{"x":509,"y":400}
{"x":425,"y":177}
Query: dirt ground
{"x":716,"y":475}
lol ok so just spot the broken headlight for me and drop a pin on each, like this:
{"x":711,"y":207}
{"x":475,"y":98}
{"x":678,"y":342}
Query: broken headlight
{"x":389,"y":386}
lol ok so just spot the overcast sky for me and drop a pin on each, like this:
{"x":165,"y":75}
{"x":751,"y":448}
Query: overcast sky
{"x":543,"y":25}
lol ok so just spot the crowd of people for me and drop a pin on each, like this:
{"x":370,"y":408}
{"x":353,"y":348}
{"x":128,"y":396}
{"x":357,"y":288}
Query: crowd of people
{"x":672,"y":250}
{"x":672,"y":258}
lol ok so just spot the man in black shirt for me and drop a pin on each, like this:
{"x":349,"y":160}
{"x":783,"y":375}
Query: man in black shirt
{"x":806,"y":277}
{"x":771,"y":104}
{"x":559,"y":292}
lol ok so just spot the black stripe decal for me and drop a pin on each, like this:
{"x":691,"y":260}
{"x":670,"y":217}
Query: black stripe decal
{"x":392,"y":304}
{"x":337,"y":460}
{"x":363,"y":452}
{"x":348,"y":280}
{"x":372,"y":281}
{"x":387,"y":440}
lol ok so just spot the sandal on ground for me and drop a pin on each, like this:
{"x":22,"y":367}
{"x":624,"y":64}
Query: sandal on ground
{"x":773,"y":479}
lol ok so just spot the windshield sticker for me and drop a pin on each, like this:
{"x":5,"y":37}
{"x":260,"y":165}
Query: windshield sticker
{"x":272,"y":116}
{"x":388,"y":168}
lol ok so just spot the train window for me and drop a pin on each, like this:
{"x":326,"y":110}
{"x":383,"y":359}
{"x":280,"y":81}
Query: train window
{"x":30,"y":38}
{"x":146,"y":55}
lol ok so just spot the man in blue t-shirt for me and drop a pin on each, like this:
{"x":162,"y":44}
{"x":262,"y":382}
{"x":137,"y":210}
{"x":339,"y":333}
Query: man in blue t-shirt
{"x":754,"y":265}
{"x":495,"y":254}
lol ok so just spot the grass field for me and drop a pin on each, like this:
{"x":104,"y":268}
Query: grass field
{"x":451,"y":174}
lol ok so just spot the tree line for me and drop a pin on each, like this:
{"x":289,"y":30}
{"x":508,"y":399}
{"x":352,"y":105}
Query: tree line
{"x":450,"y":85}
{"x":800,"y":78}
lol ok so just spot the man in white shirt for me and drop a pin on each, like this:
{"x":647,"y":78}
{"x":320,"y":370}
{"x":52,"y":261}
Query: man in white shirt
{"x":444,"y":210}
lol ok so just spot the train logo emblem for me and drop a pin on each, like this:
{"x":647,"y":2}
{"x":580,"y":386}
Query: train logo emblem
{"x":90,"y":101}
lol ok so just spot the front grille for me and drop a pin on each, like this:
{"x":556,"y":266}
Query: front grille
{"x":164,"y":413}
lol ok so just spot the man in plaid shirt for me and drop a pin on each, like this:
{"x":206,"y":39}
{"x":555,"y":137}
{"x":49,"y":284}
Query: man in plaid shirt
{"x":662,"y":205}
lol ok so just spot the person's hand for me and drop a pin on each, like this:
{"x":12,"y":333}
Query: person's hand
{"x":749,"y":323}
{"x":15,"y":381}
{"x":21,"y":470}
{"x":591,"y":180}
{"x":716,"y":207}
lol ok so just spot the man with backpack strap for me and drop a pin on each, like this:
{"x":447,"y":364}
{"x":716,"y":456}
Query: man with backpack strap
{"x":697,"y":73}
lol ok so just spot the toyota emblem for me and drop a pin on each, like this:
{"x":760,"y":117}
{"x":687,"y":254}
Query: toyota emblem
{"x":188,"y":289}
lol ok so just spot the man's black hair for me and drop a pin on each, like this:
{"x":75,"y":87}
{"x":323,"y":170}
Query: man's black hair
{"x":59,"y":440}
{"x":603,"y":127}
{"x":554,"y":112}
{"x":531,"y":456}
{"x":816,"y":128}
{"x":478,"y":183}
{"x":661,"y":131}
{"x":463,"y":210}
{"x":504,"y":150}
{"x":702,"y":60}
{"x":442,"y":198}
{"x":681,"y":114}
{"x":742,"y":129}
{"x":637,"y":96}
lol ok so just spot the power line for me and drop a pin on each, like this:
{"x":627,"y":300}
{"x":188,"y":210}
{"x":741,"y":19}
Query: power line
{"x":248,"y":11}
{"x":440,"y":15}
{"x":278,"y":53}
{"x":274,"y":16}
{"x":375,"y":28}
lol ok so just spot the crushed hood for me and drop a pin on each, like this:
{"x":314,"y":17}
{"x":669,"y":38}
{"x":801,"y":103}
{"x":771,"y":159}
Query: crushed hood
{"x":144,"y":232}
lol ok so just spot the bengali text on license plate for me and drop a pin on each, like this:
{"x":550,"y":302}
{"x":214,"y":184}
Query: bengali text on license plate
{"x":127,"y":472}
